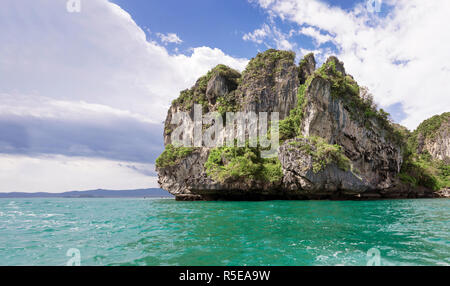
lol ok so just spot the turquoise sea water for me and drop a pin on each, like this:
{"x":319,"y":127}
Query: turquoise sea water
{"x":166,"y":232}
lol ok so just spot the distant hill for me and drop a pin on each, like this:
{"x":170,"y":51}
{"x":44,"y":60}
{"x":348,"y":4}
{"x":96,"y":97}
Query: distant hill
{"x":148,"y":193}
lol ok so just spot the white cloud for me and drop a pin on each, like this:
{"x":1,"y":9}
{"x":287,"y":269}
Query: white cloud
{"x":170,"y":38}
{"x":89,"y":85}
{"x":99,"y":56}
{"x":32,"y":174}
{"x":258,"y":35}
{"x":316,"y":35}
{"x":40,"y":125}
{"x":272,"y":37}
{"x":318,"y":54}
{"x":44,"y":107}
{"x":414,"y":34}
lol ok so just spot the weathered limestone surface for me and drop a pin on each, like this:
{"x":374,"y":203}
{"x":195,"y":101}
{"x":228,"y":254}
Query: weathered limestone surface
{"x":271,"y":83}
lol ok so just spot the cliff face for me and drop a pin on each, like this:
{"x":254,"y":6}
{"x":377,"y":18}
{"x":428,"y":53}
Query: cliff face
{"x":334,"y":143}
{"x":269,"y":83}
{"x":367,"y":141}
{"x":433,"y":136}
{"x":333,"y":110}
{"x":427,"y":160}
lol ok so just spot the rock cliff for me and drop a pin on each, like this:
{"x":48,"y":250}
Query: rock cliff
{"x":334,"y":143}
{"x":433,"y":136}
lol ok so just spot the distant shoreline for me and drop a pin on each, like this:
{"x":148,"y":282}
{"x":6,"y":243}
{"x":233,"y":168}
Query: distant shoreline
{"x":56,"y":197}
{"x":140,"y":193}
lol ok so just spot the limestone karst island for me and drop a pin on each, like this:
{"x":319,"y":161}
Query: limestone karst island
{"x":334,"y":141}
{"x":243,"y":135}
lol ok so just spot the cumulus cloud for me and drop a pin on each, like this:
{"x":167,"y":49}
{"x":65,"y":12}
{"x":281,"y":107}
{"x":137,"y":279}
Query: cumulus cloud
{"x":87,"y":85}
{"x":402,"y":57}
{"x":271,"y":36}
{"x":170,"y":38}
{"x":316,"y":35}
{"x":258,"y":35}
{"x":97,"y":56}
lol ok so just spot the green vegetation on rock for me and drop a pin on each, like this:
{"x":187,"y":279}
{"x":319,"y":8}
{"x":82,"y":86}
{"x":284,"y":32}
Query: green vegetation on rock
{"x":290,"y":126}
{"x":323,"y":154}
{"x":172,"y":155}
{"x":422,"y":170}
{"x":346,"y":88}
{"x":359,"y":101}
{"x":189,"y":97}
{"x":304,"y":62}
{"x":242,"y":163}
{"x":268,"y":59}
{"x":427,"y":129}
{"x":197,"y":94}
{"x":246,"y":164}
{"x":227,"y":103}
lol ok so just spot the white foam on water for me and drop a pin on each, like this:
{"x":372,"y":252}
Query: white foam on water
{"x":443,"y":264}
{"x":51,"y":215}
{"x":12,"y":205}
{"x":336,"y":253}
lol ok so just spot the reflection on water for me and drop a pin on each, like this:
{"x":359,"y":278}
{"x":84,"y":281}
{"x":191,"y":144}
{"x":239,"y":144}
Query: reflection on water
{"x":165,"y":232}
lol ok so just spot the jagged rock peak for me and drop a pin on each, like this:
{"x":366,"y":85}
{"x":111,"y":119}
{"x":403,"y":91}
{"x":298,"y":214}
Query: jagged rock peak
{"x":269,"y":60}
{"x":334,"y":62}
{"x":433,"y":136}
{"x":269,"y":83}
{"x":307,"y":67}
{"x":222,"y":80}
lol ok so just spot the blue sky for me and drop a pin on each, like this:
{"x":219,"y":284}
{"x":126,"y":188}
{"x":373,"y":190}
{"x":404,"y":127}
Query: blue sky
{"x":223,"y":24}
{"x":83,"y":95}
{"x":215,"y":23}
{"x":210,"y":23}
{"x":200,"y":22}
